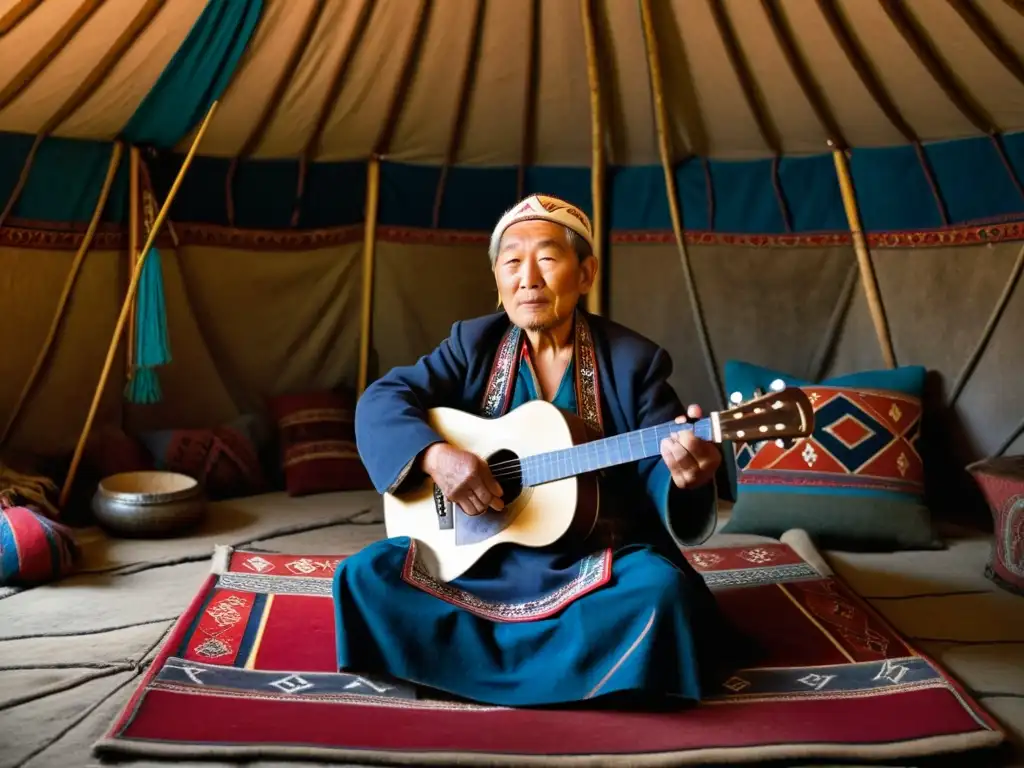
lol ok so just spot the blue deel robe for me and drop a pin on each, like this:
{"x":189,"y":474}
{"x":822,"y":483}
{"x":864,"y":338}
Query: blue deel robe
{"x":528,"y":627}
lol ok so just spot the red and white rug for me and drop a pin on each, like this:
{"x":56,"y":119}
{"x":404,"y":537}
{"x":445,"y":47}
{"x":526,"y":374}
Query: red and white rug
{"x":249,"y":672}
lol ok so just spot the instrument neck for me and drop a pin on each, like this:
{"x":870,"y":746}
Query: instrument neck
{"x":607,"y":452}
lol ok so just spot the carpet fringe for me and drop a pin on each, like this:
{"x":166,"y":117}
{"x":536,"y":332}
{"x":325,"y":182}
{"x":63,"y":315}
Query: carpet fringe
{"x":800,"y":542}
{"x":221,"y":559}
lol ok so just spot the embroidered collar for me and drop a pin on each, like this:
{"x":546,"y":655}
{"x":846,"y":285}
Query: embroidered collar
{"x":498,"y":393}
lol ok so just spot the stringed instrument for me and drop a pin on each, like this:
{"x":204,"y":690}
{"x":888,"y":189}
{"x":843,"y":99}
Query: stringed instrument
{"x":546,"y":462}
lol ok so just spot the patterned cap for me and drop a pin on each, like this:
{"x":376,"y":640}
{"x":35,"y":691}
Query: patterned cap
{"x":544,"y":208}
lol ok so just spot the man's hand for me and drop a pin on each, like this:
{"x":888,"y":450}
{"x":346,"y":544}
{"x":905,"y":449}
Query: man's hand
{"x":464,"y":478}
{"x":692,"y":461}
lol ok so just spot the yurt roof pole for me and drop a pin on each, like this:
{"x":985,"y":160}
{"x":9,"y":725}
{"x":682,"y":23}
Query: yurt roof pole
{"x":858,"y":59}
{"x":860,"y":247}
{"x":35,"y":67}
{"x":133,"y":251}
{"x":945,"y":76}
{"x":369,"y":252}
{"x":529,"y":99}
{"x":126,"y":306}
{"x":461,"y":109}
{"x":755,"y":102}
{"x":661,"y":121}
{"x":272,"y":104}
{"x":312,"y":146}
{"x":380,"y":149}
{"x":837,"y":141}
{"x":69,"y":283}
{"x":595,"y":303}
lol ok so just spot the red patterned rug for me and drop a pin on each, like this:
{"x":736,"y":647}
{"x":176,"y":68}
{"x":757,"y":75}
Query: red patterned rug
{"x":249,"y":672}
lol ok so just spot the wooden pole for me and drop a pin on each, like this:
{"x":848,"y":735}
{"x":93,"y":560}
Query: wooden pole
{"x":62,"y":303}
{"x":369,"y":249}
{"x":860,"y":247}
{"x":595,"y":299}
{"x":133,"y":249}
{"x":665,"y":150}
{"x":126,"y":305}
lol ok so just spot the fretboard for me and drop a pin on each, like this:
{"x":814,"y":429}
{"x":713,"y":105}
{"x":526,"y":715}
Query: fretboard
{"x":606,"y":452}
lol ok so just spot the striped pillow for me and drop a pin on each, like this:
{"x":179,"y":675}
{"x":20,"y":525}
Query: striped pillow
{"x":33,"y":549}
{"x":318,"y":444}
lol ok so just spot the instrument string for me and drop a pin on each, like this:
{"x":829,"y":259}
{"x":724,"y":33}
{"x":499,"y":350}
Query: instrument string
{"x":686,"y":427}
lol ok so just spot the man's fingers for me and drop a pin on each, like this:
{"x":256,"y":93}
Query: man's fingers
{"x":695,"y":447}
{"x":677,"y":457}
{"x":494,"y":486}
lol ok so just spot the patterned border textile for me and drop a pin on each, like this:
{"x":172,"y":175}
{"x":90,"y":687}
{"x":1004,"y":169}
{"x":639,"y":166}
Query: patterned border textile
{"x":834,"y":682}
{"x":498,"y":391}
{"x":588,"y":387}
{"x":862,"y":438}
{"x":595,"y":571}
{"x":57,"y":236}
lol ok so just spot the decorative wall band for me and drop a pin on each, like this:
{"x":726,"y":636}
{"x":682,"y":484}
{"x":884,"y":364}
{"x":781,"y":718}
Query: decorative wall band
{"x":52,"y":236}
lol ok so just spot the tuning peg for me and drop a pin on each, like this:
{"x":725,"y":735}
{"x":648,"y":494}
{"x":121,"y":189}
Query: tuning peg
{"x":777,"y":386}
{"x":736,"y":398}
{"x":785,"y":442}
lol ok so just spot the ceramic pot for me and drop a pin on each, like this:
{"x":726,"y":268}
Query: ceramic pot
{"x":148,"y":504}
{"x":1001,"y":480}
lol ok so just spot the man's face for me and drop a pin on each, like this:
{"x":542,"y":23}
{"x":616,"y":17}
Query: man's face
{"x":539,"y":276}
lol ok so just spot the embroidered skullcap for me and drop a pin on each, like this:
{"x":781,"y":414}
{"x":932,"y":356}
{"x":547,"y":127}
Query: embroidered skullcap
{"x":544,"y":208}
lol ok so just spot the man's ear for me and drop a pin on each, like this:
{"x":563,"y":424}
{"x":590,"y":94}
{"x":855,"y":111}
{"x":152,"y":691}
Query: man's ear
{"x":589,"y":266}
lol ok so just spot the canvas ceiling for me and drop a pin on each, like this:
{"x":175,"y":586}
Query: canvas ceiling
{"x":273,"y":109}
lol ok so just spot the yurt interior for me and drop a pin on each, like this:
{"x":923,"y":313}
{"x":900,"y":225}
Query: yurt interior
{"x":222,"y":221}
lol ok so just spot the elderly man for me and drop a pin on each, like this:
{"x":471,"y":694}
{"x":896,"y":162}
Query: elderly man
{"x":625,"y":617}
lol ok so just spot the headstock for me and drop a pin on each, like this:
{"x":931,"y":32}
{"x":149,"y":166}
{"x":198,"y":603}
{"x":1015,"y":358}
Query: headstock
{"x":784,"y":413}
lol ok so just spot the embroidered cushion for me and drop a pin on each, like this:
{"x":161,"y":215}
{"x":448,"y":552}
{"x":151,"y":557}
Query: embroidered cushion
{"x":317,"y":436}
{"x":33,"y":548}
{"x":1001,"y":480}
{"x":225,"y":459}
{"x":857,"y":482}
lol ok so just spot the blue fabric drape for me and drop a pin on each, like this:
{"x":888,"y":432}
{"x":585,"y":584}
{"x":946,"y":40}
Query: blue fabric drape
{"x":196,"y":76}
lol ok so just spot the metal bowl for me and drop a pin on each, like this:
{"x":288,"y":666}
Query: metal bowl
{"x":141,"y":504}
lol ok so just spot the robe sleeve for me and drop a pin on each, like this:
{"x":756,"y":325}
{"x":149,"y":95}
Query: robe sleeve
{"x":690,"y":515}
{"x":391,"y":424}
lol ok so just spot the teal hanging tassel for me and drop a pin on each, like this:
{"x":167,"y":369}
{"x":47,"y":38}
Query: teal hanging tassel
{"x":152,"y":347}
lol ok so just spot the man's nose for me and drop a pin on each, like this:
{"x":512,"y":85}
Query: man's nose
{"x":529,"y":276}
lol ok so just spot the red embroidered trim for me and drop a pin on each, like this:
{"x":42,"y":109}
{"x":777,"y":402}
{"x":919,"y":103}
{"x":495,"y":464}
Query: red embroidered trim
{"x":595,"y":571}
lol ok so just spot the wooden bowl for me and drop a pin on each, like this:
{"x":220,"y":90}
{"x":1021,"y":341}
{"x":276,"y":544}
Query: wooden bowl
{"x":155,"y":504}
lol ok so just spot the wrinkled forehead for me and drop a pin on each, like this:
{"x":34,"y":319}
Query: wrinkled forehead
{"x":532,"y":232}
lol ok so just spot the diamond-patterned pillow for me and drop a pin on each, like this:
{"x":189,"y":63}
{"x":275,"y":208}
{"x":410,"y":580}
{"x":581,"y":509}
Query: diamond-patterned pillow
{"x":857,"y":482}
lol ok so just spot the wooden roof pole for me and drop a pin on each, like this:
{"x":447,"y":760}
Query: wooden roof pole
{"x":665,"y":150}
{"x":860,"y":247}
{"x":65,"y":296}
{"x":595,"y":302}
{"x":126,"y":307}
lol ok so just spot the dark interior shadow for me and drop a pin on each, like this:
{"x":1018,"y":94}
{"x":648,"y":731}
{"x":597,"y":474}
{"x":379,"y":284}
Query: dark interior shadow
{"x":946,"y":449}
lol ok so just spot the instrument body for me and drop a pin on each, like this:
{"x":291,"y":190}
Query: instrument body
{"x":547,"y":461}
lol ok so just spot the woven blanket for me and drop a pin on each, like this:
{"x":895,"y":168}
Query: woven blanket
{"x":249,"y":671}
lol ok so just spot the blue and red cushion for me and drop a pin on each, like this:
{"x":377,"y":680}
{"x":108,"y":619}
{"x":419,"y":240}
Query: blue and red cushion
{"x":857,"y":482}
{"x":33,"y":549}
